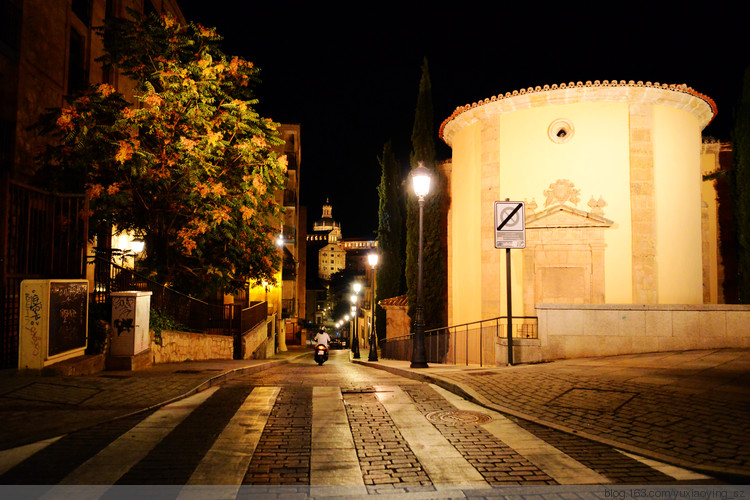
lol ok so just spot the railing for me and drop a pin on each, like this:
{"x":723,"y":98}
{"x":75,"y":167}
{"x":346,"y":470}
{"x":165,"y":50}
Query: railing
{"x":253,"y":315}
{"x":193,"y":314}
{"x":288,"y":308}
{"x":42,"y":235}
{"x":468,"y":343}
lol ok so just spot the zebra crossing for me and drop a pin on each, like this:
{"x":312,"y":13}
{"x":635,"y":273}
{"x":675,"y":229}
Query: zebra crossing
{"x":244,"y":435}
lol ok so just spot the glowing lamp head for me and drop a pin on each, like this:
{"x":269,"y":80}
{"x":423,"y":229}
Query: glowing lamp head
{"x":373,"y":259}
{"x":420,"y":179}
{"x":137,"y":246}
{"x":357,"y":287}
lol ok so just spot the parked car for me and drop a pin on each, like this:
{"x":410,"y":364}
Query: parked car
{"x":336,"y":344}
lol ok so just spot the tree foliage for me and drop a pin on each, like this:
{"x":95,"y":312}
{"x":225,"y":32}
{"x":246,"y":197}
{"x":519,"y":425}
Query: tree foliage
{"x":739,"y":181}
{"x":390,"y":230}
{"x":188,"y":163}
{"x":434,"y":261}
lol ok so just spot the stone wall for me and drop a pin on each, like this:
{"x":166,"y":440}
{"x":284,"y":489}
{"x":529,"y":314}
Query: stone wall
{"x":177,"y":346}
{"x":575,"y":331}
{"x":258,"y":343}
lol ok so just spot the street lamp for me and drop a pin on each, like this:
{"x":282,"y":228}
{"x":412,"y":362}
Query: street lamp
{"x":355,"y":337}
{"x":137,"y":245}
{"x":372,"y":258}
{"x":420,"y":178}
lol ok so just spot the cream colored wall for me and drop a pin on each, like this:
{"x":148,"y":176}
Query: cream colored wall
{"x":677,"y":184}
{"x":466,"y":254}
{"x":595,"y":159}
{"x":642,"y":159}
{"x":711,"y":293}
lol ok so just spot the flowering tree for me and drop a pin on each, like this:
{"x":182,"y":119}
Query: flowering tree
{"x":189,"y":163}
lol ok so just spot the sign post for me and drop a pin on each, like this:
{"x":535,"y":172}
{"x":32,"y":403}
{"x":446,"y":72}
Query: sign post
{"x":510,"y":232}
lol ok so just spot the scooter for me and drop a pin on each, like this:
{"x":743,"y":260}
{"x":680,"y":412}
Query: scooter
{"x":321,"y":354}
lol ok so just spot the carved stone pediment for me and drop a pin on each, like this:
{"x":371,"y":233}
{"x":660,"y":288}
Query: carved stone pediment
{"x":565,"y":216}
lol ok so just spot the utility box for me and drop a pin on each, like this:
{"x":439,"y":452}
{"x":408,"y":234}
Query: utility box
{"x":53,"y":321}
{"x":130,"y":320}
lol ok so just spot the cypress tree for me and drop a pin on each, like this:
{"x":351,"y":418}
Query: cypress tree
{"x":434,"y":287}
{"x":390,"y":227}
{"x":739,"y":180}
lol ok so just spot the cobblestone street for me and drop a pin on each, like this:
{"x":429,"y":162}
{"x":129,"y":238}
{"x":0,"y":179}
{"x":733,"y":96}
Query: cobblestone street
{"x":347,"y":425}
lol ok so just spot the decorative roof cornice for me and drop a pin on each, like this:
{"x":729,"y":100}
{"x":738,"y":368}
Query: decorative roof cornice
{"x":399,"y":301}
{"x":605,"y":91}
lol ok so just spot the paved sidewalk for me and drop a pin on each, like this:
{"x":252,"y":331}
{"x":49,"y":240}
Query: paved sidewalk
{"x":36,"y":407}
{"x":690,"y":409}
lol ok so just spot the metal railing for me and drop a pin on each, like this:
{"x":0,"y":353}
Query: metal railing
{"x":193,"y":314}
{"x":468,"y":343}
{"x":42,"y":236}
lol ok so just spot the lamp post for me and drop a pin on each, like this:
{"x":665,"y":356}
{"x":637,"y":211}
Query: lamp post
{"x":346,"y":320}
{"x":355,"y":337}
{"x":136,"y":246}
{"x":420,"y":178}
{"x":372,"y":258}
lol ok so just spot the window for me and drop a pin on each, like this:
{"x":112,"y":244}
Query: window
{"x":82,"y":10}
{"x":77,"y":74}
{"x":560,"y":131}
{"x":10,"y":25}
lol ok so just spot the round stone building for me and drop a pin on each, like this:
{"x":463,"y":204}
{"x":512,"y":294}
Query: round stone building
{"x":611,"y":175}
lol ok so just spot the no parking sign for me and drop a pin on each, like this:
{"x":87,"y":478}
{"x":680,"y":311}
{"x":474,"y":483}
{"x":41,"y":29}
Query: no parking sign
{"x":510,"y":224}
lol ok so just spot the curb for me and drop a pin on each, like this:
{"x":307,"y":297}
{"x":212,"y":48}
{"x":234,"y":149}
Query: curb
{"x":469,"y":394}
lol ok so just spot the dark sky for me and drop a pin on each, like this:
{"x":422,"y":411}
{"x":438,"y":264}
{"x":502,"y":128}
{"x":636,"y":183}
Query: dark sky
{"x":349,"y":76}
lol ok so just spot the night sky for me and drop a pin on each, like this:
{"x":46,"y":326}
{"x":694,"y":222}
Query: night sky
{"x":349,"y":76}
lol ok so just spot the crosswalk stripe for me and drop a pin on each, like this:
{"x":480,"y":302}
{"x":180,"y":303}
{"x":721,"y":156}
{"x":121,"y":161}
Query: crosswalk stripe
{"x":106,"y":467}
{"x":14,"y":456}
{"x":670,"y":470}
{"x":442,"y":462}
{"x":556,"y":464}
{"x":226,"y":461}
{"x":333,"y":457}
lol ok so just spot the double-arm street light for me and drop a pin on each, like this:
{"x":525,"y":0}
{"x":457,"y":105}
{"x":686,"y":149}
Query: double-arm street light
{"x":420,"y":178}
{"x":373,"y":260}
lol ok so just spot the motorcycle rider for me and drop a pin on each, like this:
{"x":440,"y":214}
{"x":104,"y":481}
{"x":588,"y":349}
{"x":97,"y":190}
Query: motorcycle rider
{"x":322,"y":337}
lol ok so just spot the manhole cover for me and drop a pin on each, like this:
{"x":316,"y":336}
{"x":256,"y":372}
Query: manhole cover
{"x":458,"y":417}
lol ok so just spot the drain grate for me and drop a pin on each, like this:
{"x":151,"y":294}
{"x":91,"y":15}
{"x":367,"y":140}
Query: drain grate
{"x":458,"y":417}
{"x":368,"y":390}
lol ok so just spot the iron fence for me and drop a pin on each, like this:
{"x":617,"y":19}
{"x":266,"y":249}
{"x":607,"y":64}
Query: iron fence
{"x":468,"y":343}
{"x":42,"y":236}
{"x":190,"y":313}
